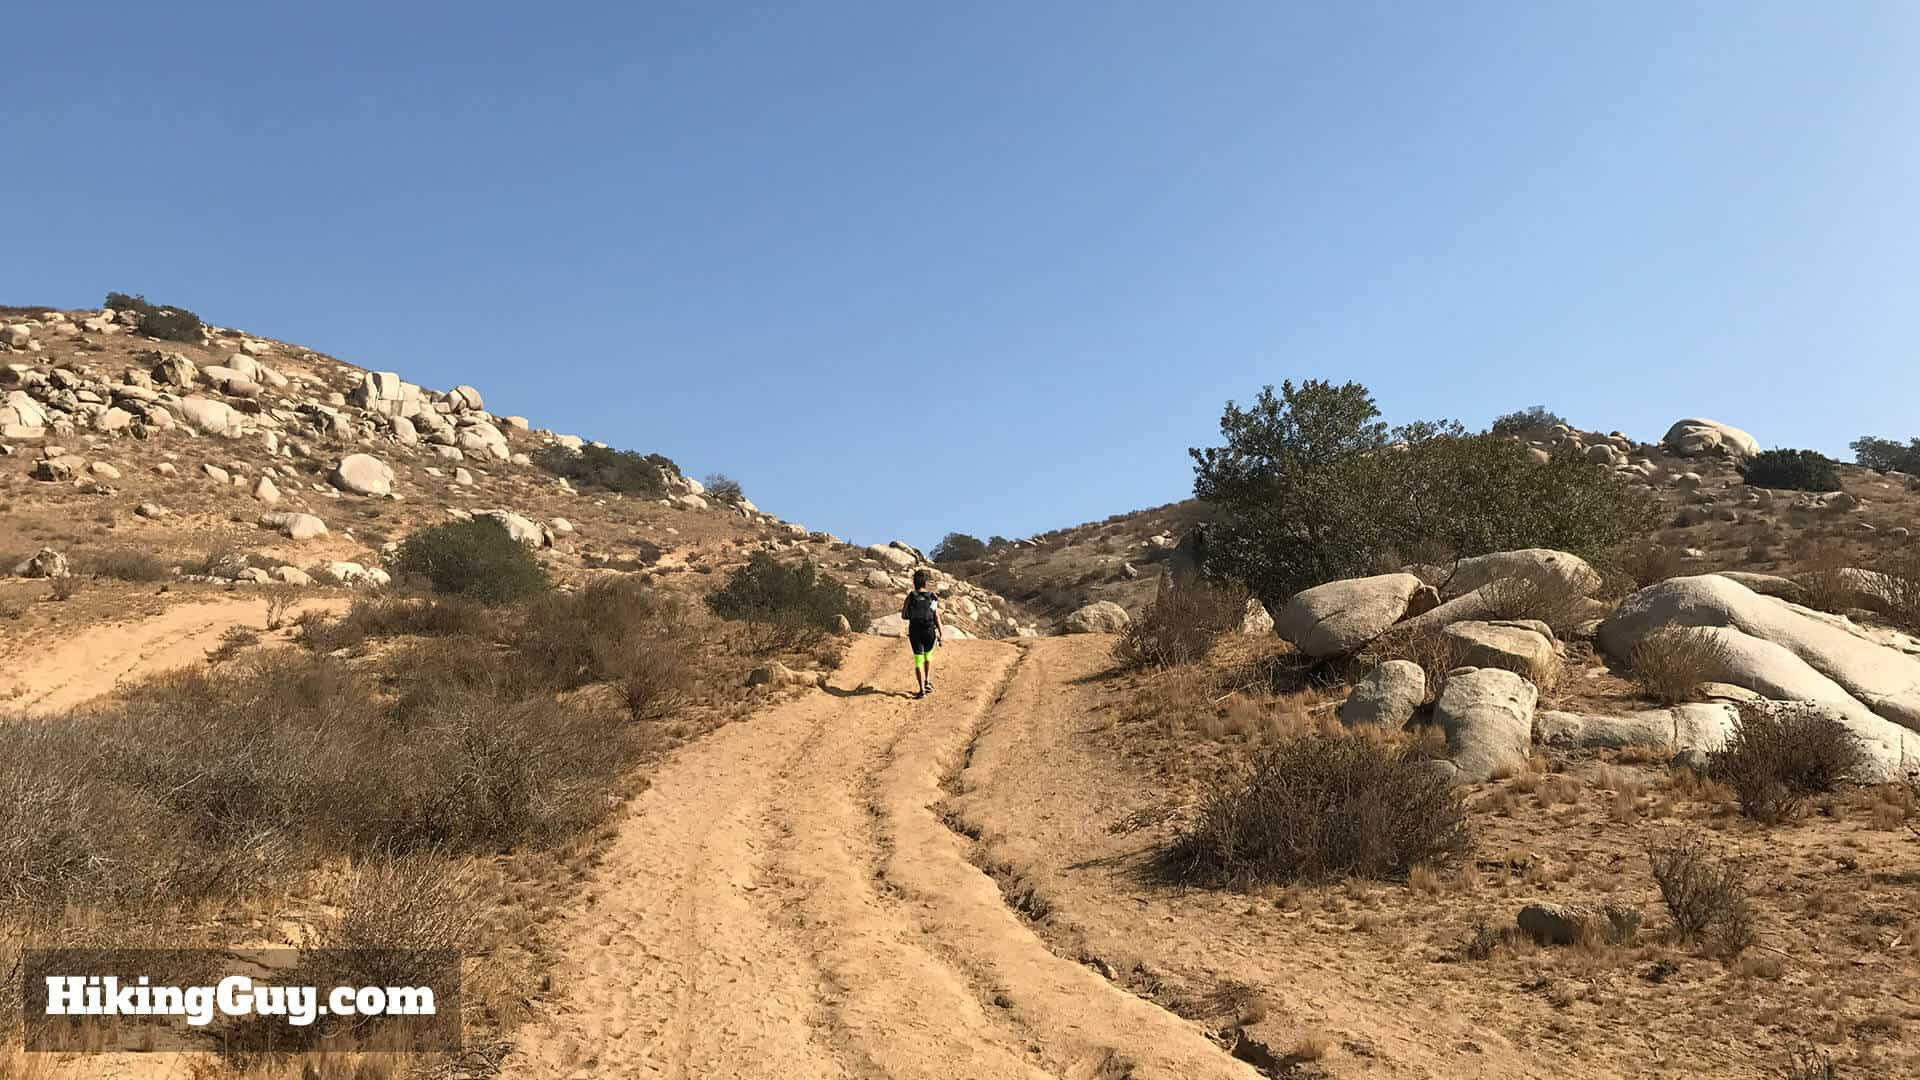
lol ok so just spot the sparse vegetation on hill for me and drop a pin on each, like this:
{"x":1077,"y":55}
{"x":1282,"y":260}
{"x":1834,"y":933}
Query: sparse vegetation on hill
{"x":626,"y":471}
{"x":723,"y":487}
{"x":786,"y":606}
{"x":1796,"y":470}
{"x":1887,"y":455}
{"x":477,"y":559}
{"x":1313,"y":487}
{"x":168,"y":323}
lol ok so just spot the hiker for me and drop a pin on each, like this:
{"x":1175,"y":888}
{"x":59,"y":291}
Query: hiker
{"x":922,"y":612}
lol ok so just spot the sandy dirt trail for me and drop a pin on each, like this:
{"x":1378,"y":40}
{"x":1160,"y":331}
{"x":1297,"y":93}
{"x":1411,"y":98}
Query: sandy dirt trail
{"x":785,"y":901}
{"x":100,"y":659}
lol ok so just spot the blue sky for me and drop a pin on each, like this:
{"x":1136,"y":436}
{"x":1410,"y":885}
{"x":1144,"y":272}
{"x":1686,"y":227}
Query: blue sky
{"x":908,"y":268}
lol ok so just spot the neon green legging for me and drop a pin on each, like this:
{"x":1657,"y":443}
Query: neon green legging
{"x":922,"y":659}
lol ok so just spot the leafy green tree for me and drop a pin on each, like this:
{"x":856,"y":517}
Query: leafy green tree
{"x":1795,"y":470}
{"x":1311,"y":487}
{"x":1534,"y":418}
{"x":786,"y":606}
{"x":1886,"y":455}
{"x":958,"y":547}
{"x":476,"y":559}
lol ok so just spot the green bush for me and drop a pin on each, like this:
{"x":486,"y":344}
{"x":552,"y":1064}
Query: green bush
{"x":625,"y":471}
{"x":1319,"y":806}
{"x":1886,"y":455}
{"x":1311,"y":487}
{"x":958,"y":547}
{"x":1536,"y":418}
{"x":168,"y":323}
{"x":786,"y":607}
{"x":1796,"y":470}
{"x":475,"y":559}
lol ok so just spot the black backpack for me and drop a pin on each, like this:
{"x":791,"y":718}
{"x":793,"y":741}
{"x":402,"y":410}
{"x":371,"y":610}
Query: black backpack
{"x":920,"y":607}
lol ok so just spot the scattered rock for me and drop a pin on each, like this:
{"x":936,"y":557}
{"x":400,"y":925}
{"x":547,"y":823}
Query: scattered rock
{"x":1255,"y":620}
{"x":295,"y":526}
{"x":266,"y":492}
{"x":1099,"y":617}
{"x":778,"y":674}
{"x":151,"y":511}
{"x":1571,"y":924}
{"x":45,"y":563}
{"x":1339,"y":617}
{"x":1386,"y":696}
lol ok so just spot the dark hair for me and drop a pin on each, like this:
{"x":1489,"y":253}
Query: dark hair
{"x":919,"y":579}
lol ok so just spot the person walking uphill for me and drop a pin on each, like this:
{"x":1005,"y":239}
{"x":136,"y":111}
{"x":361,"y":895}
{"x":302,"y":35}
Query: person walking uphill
{"x":922,"y":612}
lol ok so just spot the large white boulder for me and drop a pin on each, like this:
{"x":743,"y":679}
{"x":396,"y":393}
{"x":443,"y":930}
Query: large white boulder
{"x":1532,"y":564}
{"x":1099,"y":617}
{"x":1487,"y":714}
{"x":363,"y":474}
{"x":892,"y":556}
{"x":1527,"y":647}
{"x":209,"y":417}
{"x":294,"y":526}
{"x":522,"y":529}
{"x":1885,"y":681}
{"x":1697,"y":437}
{"x":1339,"y":617}
{"x":1702,"y":727}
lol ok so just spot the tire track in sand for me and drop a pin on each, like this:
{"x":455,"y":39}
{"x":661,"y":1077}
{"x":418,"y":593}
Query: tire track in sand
{"x":784,"y":901}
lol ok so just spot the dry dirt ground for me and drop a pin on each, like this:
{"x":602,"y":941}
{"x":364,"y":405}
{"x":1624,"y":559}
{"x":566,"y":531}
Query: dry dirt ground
{"x":857,"y":884}
{"x":852,"y":883}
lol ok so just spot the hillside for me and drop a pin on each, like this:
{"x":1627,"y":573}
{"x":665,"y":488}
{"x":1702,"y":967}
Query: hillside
{"x":158,"y":471}
{"x":1713,"y":521}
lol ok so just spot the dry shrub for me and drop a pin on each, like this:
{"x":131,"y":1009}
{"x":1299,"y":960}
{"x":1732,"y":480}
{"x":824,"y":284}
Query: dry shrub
{"x":1705,"y":895}
{"x":1899,"y":585}
{"x":1318,"y":806}
{"x":1671,"y":662}
{"x":1810,"y":1064}
{"x":1780,"y":753}
{"x":1548,"y":598}
{"x":1434,"y":650}
{"x":1828,"y":586}
{"x":616,"y":630}
{"x":1646,"y":563}
{"x":1181,"y":626}
{"x":124,"y":564}
{"x":395,"y":616}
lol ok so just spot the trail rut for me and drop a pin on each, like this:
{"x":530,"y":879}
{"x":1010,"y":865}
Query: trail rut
{"x":785,"y":901}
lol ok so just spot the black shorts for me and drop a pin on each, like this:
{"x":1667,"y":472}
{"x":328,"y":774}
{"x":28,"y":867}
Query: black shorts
{"x":921,"y":637}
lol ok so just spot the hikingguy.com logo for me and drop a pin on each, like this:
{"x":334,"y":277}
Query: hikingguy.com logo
{"x":373,"y":1000}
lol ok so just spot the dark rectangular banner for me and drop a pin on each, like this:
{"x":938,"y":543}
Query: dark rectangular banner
{"x":264,"y":1001}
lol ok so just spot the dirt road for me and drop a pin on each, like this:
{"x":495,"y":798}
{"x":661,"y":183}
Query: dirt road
{"x":786,"y":901}
{"x":101,"y":658}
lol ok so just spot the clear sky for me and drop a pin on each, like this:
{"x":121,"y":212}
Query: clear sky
{"x":993,"y":266}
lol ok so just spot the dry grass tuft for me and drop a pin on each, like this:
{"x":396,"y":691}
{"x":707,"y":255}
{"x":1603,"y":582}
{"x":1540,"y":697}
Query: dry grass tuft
{"x":1706,"y":896}
{"x":1320,"y":806}
{"x":1181,"y":626}
{"x":1671,"y":662}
